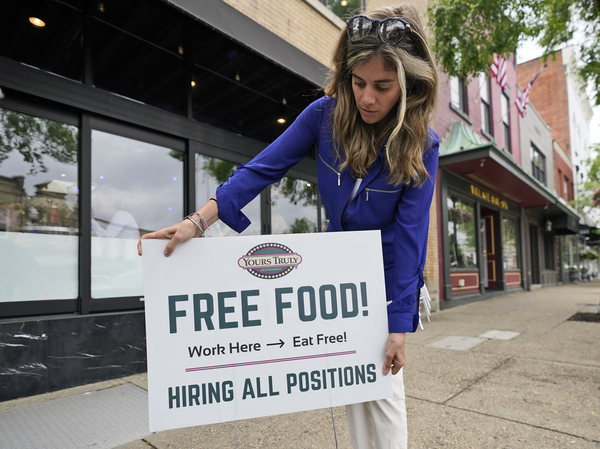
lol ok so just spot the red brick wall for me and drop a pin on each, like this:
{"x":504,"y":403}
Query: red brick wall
{"x":549,"y":96}
{"x":445,"y":115}
{"x":497,"y":123}
{"x":562,"y":169}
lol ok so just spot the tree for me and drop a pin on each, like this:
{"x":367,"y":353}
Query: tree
{"x":220,"y":170}
{"x":467,"y":33}
{"x":588,"y":195}
{"x":35,"y":138}
{"x":302,"y":226}
{"x":297,"y":191}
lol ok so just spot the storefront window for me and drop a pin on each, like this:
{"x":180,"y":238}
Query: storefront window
{"x":39,"y":203}
{"x":324,"y":219}
{"x":510,"y":243}
{"x":137,"y":188}
{"x":293,"y":207}
{"x":461,"y":234}
{"x":567,"y":253}
{"x":210,"y":173}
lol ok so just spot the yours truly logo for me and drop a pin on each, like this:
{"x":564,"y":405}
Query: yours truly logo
{"x":270,"y":260}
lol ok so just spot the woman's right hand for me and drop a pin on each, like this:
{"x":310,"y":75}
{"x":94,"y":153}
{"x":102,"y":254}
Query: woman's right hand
{"x":184,"y":230}
{"x":176,"y":234}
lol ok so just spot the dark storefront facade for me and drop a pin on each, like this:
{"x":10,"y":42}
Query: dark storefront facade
{"x":118,"y":118}
{"x":500,"y":227}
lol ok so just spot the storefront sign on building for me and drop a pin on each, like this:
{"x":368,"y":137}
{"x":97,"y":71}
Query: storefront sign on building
{"x":486,"y":196}
{"x":241,"y":327}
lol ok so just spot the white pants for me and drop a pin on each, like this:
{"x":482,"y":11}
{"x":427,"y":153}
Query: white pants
{"x":380,"y":424}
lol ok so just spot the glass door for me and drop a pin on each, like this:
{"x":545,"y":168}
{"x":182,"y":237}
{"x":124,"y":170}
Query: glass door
{"x":137,"y":187}
{"x":484,"y":265}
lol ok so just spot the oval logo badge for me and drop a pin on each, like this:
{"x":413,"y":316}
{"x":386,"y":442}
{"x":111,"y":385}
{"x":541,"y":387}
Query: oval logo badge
{"x":270,"y":260}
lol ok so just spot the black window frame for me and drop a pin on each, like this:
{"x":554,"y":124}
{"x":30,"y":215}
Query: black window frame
{"x":460,"y":105}
{"x":46,"y":110}
{"x":506,"y":123}
{"x":538,"y":170}
{"x":94,"y":122}
{"x":486,"y":106}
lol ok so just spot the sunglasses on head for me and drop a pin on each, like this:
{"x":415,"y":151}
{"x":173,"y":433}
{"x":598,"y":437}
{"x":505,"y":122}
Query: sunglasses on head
{"x":390,"y":30}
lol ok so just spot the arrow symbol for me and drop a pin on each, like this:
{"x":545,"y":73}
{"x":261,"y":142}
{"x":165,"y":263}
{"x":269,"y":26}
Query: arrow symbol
{"x":280,"y":344}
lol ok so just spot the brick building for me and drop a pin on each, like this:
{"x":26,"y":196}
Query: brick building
{"x":568,"y":114}
{"x":554,"y":109}
{"x":493,"y":212}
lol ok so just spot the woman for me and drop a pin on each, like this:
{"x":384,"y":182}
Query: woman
{"x":376,"y":161}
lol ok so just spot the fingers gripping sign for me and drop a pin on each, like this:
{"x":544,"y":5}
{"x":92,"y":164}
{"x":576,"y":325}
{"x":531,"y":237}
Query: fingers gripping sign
{"x":176,"y":234}
{"x":186,"y":229}
{"x":394,"y":353}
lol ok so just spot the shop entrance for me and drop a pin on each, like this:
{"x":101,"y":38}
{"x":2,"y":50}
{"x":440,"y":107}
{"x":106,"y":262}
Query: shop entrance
{"x":535,"y":254}
{"x":489,"y":231}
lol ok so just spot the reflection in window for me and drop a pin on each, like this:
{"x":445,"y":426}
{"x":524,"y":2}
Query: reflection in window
{"x":343,"y":8}
{"x":510,"y":243}
{"x":458,"y":94}
{"x":38,"y":209}
{"x":293,"y":207}
{"x":461,"y":234}
{"x":324,"y":219}
{"x":538,"y":164}
{"x":567,"y":253}
{"x":505,"y":102}
{"x":137,"y":188}
{"x":486,"y":110}
{"x":210,"y":173}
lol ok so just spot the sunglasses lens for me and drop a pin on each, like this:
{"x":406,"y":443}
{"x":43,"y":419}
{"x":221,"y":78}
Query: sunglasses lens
{"x":392,"y":31}
{"x":359,"y":27}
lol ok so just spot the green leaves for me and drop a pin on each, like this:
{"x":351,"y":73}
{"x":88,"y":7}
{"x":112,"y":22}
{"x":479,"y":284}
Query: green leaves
{"x":467,"y":33}
{"x":589,"y":191}
{"x":35,"y":138}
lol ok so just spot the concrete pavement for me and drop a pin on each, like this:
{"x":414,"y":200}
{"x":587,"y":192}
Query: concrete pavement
{"x":507,"y":372}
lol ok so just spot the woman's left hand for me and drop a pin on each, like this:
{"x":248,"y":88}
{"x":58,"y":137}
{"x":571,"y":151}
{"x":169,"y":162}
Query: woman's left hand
{"x":394,"y":353}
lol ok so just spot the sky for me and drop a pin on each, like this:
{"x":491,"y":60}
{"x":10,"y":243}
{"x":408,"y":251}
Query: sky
{"x":530,"y":50}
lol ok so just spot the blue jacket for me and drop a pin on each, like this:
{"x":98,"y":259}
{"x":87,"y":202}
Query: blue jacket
{"x":400,"y":212}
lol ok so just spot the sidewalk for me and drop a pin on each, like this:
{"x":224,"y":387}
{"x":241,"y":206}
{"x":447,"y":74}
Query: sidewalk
{"x":508,"y":372}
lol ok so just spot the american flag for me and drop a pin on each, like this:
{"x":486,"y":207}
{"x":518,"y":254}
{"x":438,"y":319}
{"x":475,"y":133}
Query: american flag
{"x":522,"y":100}
{"x":498,"y":69}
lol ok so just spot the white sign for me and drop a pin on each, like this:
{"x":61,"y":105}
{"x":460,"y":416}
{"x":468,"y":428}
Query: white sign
{"x":241,"y":327}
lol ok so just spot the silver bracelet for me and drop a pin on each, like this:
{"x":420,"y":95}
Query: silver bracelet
{"x":201,"y":229}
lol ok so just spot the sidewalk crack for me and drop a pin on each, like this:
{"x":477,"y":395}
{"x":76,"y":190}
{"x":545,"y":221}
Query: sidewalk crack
{"x":592,"y":440}
{"x":483,"y":376}
{"x":149,"y":444}
{"x":526,"y":424}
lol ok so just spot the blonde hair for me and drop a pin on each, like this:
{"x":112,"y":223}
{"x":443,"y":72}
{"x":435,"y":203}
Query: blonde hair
{"x":408,"y":129}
